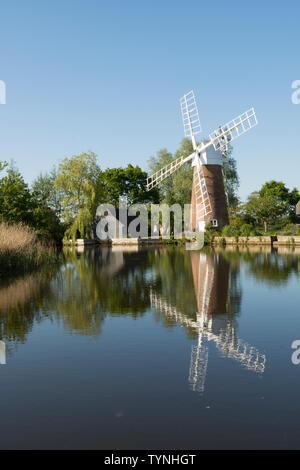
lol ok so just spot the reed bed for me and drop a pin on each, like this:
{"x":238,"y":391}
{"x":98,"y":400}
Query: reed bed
{"x":19,"y":292}
{"x":21,"y":250}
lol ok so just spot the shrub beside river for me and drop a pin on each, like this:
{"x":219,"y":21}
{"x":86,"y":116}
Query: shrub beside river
{"x":21,"y":250}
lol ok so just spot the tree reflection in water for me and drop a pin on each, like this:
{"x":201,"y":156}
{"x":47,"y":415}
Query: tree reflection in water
{"x":23,"y":302}
{"x":101,"y":282}
{"x":201,"y":290}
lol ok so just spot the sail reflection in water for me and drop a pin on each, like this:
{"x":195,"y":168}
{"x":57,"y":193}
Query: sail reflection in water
{"x":214,"y":284}
{"x":2,"y":353}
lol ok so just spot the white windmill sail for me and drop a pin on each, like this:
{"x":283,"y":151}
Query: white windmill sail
{"x":221,"y":137}
{"x":203,"y":204}
{"x":192,"y":127}
{"x":225,"y":340}
{"x":2,"y":353}
{"x":190,"y":115}
{"x":166,"y":171}
{"x":198,"y":365}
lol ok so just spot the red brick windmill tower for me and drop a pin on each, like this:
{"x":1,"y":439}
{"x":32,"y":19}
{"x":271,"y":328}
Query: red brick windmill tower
{"x":209,"y":202}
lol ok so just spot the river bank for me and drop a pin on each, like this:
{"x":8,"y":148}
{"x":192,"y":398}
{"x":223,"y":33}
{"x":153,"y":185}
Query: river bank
{"x":22,"y":251}
{"x":262,"y":240}
{"x":275,"y":241}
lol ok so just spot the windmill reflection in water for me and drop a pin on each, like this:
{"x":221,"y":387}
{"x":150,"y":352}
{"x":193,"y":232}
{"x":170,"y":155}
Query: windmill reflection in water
{"x":212,"y":282}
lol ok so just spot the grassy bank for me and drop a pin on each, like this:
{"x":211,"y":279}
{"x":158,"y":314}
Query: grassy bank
{"x":22,"y":251}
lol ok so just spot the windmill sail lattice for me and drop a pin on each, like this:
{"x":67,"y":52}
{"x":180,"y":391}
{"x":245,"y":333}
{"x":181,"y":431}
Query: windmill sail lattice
{"x":222,"y":136}
{"x":203,"y":205}
{"x":190,"y":115}
{"x":166,"y":171}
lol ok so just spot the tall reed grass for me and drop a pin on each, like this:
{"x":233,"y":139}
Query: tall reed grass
{"x":21,"y":250}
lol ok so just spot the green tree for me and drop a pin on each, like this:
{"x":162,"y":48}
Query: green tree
{"x":77,"y":180}
{"x":279,"y":191}
{"x":18,"y":204}
{"x":45,"y":193}
{"x":265,"y":209}
{"x":183,"y":178}
{"x":47,"y":223}
{"x":48,"y":210}
{"x":231,"y":178}
{"x":3,"y":165}
{"x":155,"y":163}
{"x":176,"y":188}
{"x":15,"y":198}
{"x":127,"y":183}
{"x":135,"y":186}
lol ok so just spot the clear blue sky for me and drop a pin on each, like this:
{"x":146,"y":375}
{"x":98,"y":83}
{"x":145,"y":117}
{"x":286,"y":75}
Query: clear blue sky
{"x":107,"y":76}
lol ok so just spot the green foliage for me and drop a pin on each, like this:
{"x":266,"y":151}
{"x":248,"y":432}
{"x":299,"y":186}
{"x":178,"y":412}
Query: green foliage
{"x":209,"y":234}
{"x":230,"y":231}
{"x":183,"y":178}
{"x":77,"y":180}
{"x":128,"y":184}
{"x":273,"y":270}
{"x":48,"y":206}
{"x":165,"y":188}
{"x":276,"y":189}
{"x":289,"y":229}
{"x":173,"y":241}
{"x":3,"y":165}
{"x":264,"y":209}
{"x":236,"y":215}
{"x":279,"y":191}
{"x":47,"y":223}
{"x":46,"y":195}
{"x":210,"y":229}
{"x":15,"y":198}
{"x":67,"y":198}
{"x":177,"y":188}
{"x":246,"y":230}
{"x":231,"y":178}
{"x":18,"y":204}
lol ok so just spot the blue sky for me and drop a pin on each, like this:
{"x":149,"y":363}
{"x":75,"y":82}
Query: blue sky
{"x":107,"y":76}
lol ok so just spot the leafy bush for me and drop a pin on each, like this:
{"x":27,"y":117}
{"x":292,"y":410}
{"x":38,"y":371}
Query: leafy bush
{"x":21,"y":249}
{"x":289,"y":229}
{"x":229,"y":231}
{"x":245,"y":230}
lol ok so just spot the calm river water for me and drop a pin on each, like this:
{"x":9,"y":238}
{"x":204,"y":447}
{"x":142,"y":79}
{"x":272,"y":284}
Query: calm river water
{"x":152,"y":349}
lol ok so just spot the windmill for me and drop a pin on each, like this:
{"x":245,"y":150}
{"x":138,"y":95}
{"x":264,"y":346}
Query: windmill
{"x":209,"y":201}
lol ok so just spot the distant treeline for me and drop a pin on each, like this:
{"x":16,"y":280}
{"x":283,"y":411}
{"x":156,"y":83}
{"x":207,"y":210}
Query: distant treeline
{"x":62,"y":203}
